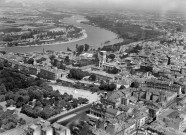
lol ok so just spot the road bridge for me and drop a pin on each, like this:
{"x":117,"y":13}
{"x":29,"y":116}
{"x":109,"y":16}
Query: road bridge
{"x":62,"y":115}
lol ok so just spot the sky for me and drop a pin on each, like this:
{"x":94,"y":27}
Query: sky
{"x":143,"y":4}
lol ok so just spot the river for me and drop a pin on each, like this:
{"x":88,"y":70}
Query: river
{"x":96,"y":38}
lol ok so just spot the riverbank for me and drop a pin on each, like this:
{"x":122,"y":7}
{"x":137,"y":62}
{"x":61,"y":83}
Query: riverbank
{"x":96,"y":37}
{"x":84,"y":36}
{"x":87,"y":22}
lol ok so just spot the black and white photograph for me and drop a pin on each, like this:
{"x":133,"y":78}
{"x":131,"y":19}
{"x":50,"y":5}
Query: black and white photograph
{"x":92,"y":67}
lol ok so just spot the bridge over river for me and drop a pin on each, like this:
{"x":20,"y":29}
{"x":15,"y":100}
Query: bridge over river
{"x":68,"y":117}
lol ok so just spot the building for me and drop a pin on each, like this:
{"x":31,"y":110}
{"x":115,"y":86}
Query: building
{"x":46,"y":131}
{"x":33,"y":70}
{"x":97,"y":132}
{"x":86,"y":55}
{"x":50,"y":74}
{"x":98,"y":110}
{"x":124,"y":101}
{"x":161,"y":85}
{"x":174,"y":119}
{"x":118,"y":127}
{"x":111,"y":113}
{"x":60,"y":130}
{"x":102,"y":76}
{"x":113,"y":99}
{"x":43,"y":127}
{"x":154,"y":110}
{"x":102,"y":58}
{"x":34,"y":129}
{"x":141,"y":118}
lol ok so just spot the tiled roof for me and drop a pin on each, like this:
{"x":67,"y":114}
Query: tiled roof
{"x":111,"y":111}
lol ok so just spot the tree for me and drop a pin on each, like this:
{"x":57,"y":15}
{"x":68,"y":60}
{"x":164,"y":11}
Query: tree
{"x":77,"y":74}
{"x":9,"y":95}
{"x":58,"y":81}
{"x":21,"y":101}
{"x":92,"y":77}
{"x":111,"y":56}
{"x":38,"y":103}
{"x":94,"y":89}
{"x":112,"y":71}
{"x":86,"y":47}
{"x":135,"y":84}
{"x":132,"y":71}
{"x":122,"y":87}
{"x":47,"y":112}
{"x":52,"y":57}
{"x":79,"y":49}
{"x":2,"y":98}
{"x":96,"y":58}
{"x":107,"y":87}
{"x":35,"y":94}
{"x":6,"y":63}
{"x":62,"y":66}
{"x":31,"y":61}
{"x":61,"y":104}
{"x":1,"y":108}
{"x":10,"y":125}
{"x":28,"y":110}
{"x":112,"y":87}
{"x":40,"y":60}
{"x":68,"y":49}
{"x":3,"y":52}
{"x":74,"y":52}
{"x":103,"y":86}
{"x":54,"y":62}
{"x":75,"y":103}
{"x":135,"y":49}
{"x":2,"y":89}
{"x":179,"y":29}
{"x":22,"y":121}
{"x":1,"y":65}
{"x":10,"y":102}
{"x":67,"y":60}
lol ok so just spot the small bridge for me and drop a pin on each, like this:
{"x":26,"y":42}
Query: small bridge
{"x":70,"y":113}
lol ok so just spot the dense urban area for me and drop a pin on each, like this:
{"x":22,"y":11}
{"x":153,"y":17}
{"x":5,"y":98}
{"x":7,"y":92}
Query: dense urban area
{"x":134,"y":87}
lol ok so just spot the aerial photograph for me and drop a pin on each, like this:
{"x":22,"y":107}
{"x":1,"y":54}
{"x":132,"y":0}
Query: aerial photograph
{"x":92,"y":67}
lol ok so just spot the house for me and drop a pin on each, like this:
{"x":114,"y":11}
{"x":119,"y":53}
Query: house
{"x":161,"y":85}
{"x":118,"y":127}
{"x":141,"y":118}
{"x":113,"y":99}
{"x":174,"y":119}
{"x":98,"y":110}
{"x":60,"y":130}
{"x":101,"y":75}
{"x":42,"y":127}
{"x":98,"y":132}
{"x":154,"y":110}
{"x":111,"y":113}
{"x":51,"y":74}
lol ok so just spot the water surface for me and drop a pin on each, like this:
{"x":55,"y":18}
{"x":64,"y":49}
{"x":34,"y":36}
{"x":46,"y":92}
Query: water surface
{"x":96,"y":38}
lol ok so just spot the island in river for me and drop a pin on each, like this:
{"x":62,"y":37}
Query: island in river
{"x":37,"y":29}
{"x":85,"y":34}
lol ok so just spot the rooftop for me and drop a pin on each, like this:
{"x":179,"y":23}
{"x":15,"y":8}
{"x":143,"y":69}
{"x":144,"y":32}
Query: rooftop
{"x":112,"y":111}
